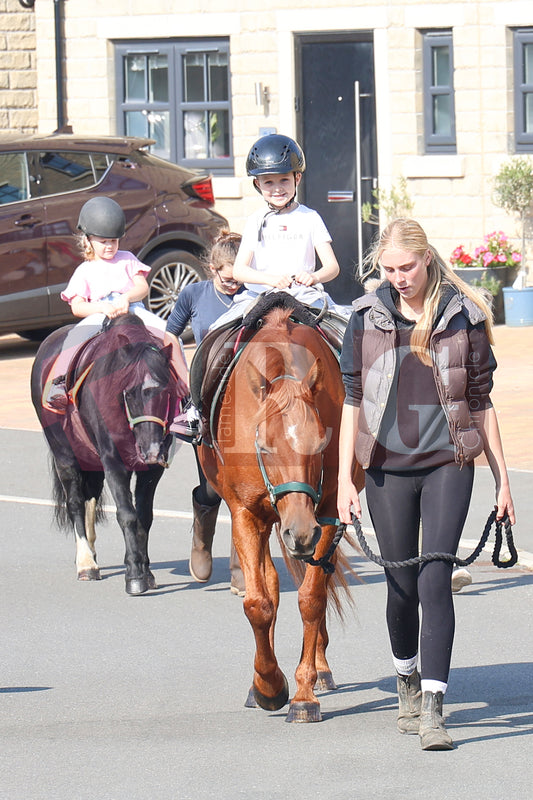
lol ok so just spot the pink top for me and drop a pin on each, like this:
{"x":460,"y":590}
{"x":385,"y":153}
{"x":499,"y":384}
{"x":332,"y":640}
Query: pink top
{"x":94,"y":280}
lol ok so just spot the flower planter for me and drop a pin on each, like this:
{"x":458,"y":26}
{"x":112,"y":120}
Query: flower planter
{"x":505,"y":275}
{"x":518,"y":305}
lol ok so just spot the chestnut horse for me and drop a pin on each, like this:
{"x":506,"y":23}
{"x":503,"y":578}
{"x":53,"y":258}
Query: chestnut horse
{"x":123,"y":393}
{"x":273,"y":458}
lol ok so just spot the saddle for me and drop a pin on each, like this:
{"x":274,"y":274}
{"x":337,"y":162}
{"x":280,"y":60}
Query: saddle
{"x":219,"y":351}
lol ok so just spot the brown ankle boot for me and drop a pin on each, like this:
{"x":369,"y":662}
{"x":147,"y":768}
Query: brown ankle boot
{"x":433,"y":734}
{"x":204,"y":521}
{"x":237,"y":578}
{"x":409,"y":702}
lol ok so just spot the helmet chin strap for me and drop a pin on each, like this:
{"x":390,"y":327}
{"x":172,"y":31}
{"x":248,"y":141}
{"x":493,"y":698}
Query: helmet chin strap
{"x":273,"y":210}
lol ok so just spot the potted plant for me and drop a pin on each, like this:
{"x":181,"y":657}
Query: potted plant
{"x":493,"y":265}
{"x":513,"y":191}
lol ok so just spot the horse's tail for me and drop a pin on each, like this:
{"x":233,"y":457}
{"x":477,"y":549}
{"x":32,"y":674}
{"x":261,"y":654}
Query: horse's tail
{"x":61,"y":516}
{"x":338,"y":589}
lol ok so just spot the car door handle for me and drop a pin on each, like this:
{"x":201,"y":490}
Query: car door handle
{"x":27,"y":221}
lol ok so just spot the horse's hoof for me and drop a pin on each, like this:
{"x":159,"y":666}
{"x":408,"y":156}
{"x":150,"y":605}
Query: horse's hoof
{"x":324,"y":682}
{"x":90,"y":574}
{"x":136,"y":586}
{"x":272,"y":703}
{"x":250,"y":700}
{"x":304,"y":712}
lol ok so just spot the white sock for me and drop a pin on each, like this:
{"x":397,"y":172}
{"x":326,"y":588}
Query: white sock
{"x":433,"y":686}
{"x":405,"y":666}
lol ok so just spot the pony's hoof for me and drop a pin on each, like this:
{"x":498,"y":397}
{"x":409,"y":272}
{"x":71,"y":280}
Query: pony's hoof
{"x":272,"y":703}
{"x":304,"y":712}
{"x":90,"y":574}
{"x":250,"y":700}
{"x":136,"y":586}
{"x":325,"y":682}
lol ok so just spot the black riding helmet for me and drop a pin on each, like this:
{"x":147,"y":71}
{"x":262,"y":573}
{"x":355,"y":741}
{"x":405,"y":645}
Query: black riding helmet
{"x":102,"y":216}
{"x":275,"y":154}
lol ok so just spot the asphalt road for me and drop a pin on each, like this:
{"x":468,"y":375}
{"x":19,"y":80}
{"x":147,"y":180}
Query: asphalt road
{"x":108,"y":696}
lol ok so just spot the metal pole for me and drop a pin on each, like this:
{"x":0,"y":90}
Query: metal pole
{"x":59,"y":65}
{"x":358,"y":179}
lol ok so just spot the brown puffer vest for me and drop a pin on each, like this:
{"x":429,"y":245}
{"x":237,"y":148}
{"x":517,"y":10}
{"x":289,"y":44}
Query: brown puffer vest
{"x":454,"y":365}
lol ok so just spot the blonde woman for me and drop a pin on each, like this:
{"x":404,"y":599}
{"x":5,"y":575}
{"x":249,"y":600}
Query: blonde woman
{"x":417,"y":365}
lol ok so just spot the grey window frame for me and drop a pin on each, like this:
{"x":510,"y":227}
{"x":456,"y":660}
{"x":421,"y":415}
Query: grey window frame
{"x":437,"y":143}
{"x":176,"y":107}
{"x":523,"y":140}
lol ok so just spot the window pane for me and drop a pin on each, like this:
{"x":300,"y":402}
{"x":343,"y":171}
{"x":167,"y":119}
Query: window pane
{"x":135,"y":78}
{"x":158,"y":68}
{"x":159,"y":129}
{"x":219,"y":134}
{"x":194,"y":123}
{"x":528,"y":113}
{"x":441,"y":115}
{"x":218,"y":76}
{"x":136,"y":123}
{"x":193,"y":78}
{"x":13,"y":177}
{"x":65,"y":172}
{"x":441,"y":65}
{"x":528,"y":63}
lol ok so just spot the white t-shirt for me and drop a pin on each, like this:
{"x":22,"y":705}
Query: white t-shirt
{"x":286,"y":245}
{"x":95,"y":280}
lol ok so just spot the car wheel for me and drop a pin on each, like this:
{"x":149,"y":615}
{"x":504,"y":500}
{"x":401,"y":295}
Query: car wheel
{"x":171,"y":271}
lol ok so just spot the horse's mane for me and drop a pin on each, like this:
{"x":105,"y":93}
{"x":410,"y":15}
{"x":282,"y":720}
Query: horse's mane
{"x":127,"y":347}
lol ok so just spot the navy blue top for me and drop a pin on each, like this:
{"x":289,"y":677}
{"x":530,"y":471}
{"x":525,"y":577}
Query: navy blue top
{"x":201,"y":305}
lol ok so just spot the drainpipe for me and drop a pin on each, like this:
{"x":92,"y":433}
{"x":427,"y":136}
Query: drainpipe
{"x":62,"y":127}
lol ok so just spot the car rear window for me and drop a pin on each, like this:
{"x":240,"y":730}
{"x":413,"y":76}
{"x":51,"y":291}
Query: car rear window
{"x":69,"y":172}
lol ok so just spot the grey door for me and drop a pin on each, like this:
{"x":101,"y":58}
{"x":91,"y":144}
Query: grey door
{"x":337,"y":129}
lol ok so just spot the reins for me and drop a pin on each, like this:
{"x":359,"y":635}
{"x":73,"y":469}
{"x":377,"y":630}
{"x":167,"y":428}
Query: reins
{"x":423,"y":559}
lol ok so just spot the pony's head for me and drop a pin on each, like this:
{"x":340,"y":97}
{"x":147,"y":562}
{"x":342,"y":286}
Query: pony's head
{"x":290,"y":437}
{"x":133,"y":390}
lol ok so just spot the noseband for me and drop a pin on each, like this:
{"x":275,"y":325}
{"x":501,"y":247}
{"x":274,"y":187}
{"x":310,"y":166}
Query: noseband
{"x":132,"y":421}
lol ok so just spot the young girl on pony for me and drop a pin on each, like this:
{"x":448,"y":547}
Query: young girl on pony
{"x":109,"y":283}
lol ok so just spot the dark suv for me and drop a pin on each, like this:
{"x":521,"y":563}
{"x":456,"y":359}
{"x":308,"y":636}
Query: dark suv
{"x":45,"y":180}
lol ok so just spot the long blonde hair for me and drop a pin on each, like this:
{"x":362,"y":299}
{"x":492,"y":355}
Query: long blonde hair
{"x":408,"y":234}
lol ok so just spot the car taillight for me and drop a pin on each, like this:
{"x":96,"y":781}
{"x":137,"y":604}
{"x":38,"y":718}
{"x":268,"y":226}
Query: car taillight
{"x":201,"y":189}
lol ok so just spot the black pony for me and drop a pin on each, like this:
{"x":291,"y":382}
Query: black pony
{"x":123,"y":393}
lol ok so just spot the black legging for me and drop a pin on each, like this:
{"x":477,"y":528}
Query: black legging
{"x":204,"y":493}
{"x":398,"y":502}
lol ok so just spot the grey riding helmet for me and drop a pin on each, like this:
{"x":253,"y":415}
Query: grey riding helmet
{"x":275,"y":154}
{"x":102,"y":216}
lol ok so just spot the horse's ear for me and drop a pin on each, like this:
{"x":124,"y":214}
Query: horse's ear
{"x":256,"y":381}
{"x":314,"y":379}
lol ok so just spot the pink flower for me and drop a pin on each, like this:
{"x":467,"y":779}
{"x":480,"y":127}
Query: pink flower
{"x":517,"y":257}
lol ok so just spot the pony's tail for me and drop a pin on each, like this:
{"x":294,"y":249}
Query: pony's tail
{"x":62,"y":517}
{"x":339,"y":595}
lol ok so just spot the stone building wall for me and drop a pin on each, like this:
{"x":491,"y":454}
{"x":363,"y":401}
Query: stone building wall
{"x":18,"y":72}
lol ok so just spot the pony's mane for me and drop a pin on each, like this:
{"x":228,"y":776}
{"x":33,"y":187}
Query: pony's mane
{"x":125,"y":347}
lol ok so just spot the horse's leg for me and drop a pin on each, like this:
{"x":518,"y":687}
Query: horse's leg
{"x":324,"y":681}
{"x":135,"y":538}
{"x":145,"y":486}
{"x":72,"y":481}
{"x":250,"y":535}
{"x":304,"y":706}
{"x":312,"y":600}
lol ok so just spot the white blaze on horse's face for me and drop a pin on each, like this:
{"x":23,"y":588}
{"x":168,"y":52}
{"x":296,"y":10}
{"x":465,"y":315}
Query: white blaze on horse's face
{"x":303,"y":430}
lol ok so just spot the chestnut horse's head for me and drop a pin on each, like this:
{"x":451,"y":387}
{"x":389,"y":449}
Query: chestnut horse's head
{"x":286,"y":378}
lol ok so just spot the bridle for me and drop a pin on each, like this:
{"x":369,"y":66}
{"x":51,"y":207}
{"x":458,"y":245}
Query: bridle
{"x":281,"y":489}
{"x":132,"y":421}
